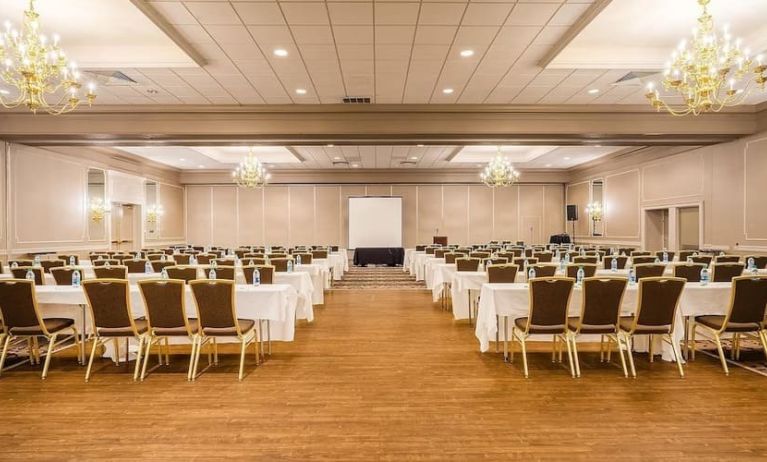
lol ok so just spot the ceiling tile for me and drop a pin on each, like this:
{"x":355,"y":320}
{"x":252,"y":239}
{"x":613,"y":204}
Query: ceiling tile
{"x":396,"y":13}
{"x":260,"y":13}
{"x":351,"y":13}
{"x":213,"y":12}
{"x":441,"y":13}
{"x":305,"y":13}
{"x":532,"y":14}
{"x":486,"y":14}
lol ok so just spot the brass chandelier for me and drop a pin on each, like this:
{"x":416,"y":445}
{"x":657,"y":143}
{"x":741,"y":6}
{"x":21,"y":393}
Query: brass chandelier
{"x":499,"y":172}
{"x":37,"y":70}
{"x":709,"y":73}
{"x":251,"y":173}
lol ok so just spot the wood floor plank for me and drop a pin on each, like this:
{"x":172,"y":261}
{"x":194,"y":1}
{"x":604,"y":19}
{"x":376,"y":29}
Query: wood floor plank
{"x":384,"y":375}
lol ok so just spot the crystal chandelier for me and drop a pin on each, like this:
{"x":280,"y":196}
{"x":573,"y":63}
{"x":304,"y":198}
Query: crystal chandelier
{"x":251,"y":173}
{"x":708,"y":74}
{"x":499,"y":172}
{"x":37,"y":71}
{"x":98,"y":210}
{"x":594,"y":210}
{"x":153,"y":213}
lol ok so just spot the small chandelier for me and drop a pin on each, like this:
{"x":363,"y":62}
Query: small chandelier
{"x":37,"y":70}
{"x":251,"y":173}
{"x":154,"y":212}
{"x":708,"y":74}
{"x":499,"y":172}
{"x":98,"y":210}
{"x":594,"y":210}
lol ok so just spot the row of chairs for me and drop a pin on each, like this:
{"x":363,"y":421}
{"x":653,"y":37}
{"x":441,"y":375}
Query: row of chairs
{"x":113,"y":320}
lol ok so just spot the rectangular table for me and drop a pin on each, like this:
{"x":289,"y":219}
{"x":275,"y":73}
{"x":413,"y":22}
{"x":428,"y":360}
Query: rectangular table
{"x":389,"y":256}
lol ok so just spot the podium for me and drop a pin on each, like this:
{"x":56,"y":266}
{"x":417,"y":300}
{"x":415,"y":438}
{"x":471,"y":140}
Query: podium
{"x":440,"y":240}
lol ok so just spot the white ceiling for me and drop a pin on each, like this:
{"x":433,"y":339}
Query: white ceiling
{"x":370,"y":157}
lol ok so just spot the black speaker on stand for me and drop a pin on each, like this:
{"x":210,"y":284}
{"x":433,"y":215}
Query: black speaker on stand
{"x":572,"y":217}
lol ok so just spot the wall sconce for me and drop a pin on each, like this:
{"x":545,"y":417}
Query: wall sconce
{"x":153,"y":212}
{"x":594,"y":210}
{"x":98,"y":210}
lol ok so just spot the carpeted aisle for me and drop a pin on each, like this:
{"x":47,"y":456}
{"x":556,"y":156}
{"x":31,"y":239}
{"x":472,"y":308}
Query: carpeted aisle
{"x":384,"y":277}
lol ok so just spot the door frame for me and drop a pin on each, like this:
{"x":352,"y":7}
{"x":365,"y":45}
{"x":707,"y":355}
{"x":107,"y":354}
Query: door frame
{"x":673,"y":219}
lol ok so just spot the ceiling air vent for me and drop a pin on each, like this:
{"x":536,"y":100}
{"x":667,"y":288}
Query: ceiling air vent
{"x":340,"y":163}
{"x":356,"y":100}
{"x":633,"y":79}
{"x":407,"y":163}
{"x":111,"y":78}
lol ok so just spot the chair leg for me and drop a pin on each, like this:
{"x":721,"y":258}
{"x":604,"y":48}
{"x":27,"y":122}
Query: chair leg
{"x":36,"y":349}
{"x":167,"y":351}
{"x":497,"y":332}
{"x":693,"y":328}
{"x":507,"y":355}
{"x":650,"y":347}
{"x":677,"y":355}
{"x":763,"y":339}
{"x":147,"y":355}
{"x":619,"y":344}
{"x":139,"y":354}
{"x":734,"y":347}
{"x":197,"y":358}
{"x":627,"y":344}
{"x":6,"y":344}
{"x":31,"y":348}
{"x":602,"y":349}
{"x":575,"y":354}
{"x":570,"y":360}
{"x":243,"y":344}
{"x":90,"y":360}
{"x":722,"y":358}
{"x":79,"y":345}
{"x":117,"y":351}
{"x":215,"y":352}
{"x":49,"y":354}
{"x":554,"y":345}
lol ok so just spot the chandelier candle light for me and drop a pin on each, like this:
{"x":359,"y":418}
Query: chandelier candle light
{"x":251,"y":173}
{"x":594,"y":210}
{"x":37,"y":70}
{"x":499,"y":172}
{"x":710,"y":73}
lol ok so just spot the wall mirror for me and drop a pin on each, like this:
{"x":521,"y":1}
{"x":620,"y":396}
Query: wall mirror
{"x":98,"y":208}
{"x":595,"y":208}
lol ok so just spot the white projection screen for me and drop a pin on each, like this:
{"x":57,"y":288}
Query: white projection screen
{"x":375,"y":222}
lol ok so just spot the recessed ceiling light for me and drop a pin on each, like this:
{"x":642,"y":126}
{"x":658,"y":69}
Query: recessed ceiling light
{"x":593,"y":91}
{"x":567,"y":158}
{"x":336,"y":158}
{"x":300,"y":91}
{"x":548,"y":165}
{"x":467,"y":53}
{"x":414,"y":158}
{"x":182,"y":159}
{"x":355,"y":165}
{"x":447,"y":91}
{"x":200,"y":166}
{"x":419,"y":145}
{"x":281,"y":52}
{"x":331,"y":145}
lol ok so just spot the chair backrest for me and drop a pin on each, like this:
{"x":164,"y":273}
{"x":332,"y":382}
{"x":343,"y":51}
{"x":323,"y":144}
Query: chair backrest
{"x":467,"y":264}
{"x":157,"y":266}
{"x":111,"y":262}
{"x":113,"y":272}
{"x":659,"y":255}
{"x":440,"y":253}
{"x":510,"y":255}
{"x":450,"y":257}
{"x":280,"y":264}
{"x":223,"y":272}
{"x":266,"y":272}
{"x":185,"y":274}
{"x":658,"y":301}
{"x":279,"y":255}
{"x":204,"y":258}
{"x":306,"y":257}
{"x":543,"y":270}
{"x":724,"y":272}
{"x":254,"y":255}
{"x":705,"y":259}
{"x":689,"y":271}
{"x":21,"y":262}
{"x":649,"y":270}
{"x":21,"y":273}
{"x":686,"y":253}
{"x":495,"y":261}
{"x":164,"y":303}
{"x":122,"y":257}
{"x":549,"y":300}
{"x":18,"y":306}
{"x":727,"y":259}
{"x":109,"y":303}
{"x":429,"y":251}
{"x":601,"y":301}
{"x":135,"y":266}
{"x":66,"y":258}
{"x":642,"y":260}
{"x":480,"y":255}
{"x":502,"y":274}
{"x":641,"y":254}
{"x":254,"y":261}
{"x":544,"y":257}
{"x":420,"y":248}
{"x":155,"y":256}
{"x":240,"y":253}
{"x":748,"y":300}
{"x":608,"y":262}
{"x":63,"y":276}
{"x":48,"y":264}
{"x":215,"y":304}
{"x":181,"y":259}
{"x":588,"y":260}
{"x":759,"y":260}
{"x":589,"y":270}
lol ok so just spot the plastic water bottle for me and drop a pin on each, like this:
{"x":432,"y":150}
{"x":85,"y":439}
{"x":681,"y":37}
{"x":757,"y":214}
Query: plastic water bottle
{"x":164,"y":257}
{"x":256,"y":277}
{"x":563,"y":263}
{"x":76,"y":279}
{"x":632,"y":276}
{"x":136,"y":256}
{"x":72,"y":261}
{"x":531,"y":273}
{"x":580,"y":275}
{"x":298,"y":259}
{"x":567,"y":258}
{"x":213,"y":264}
{"x":148,"y":268}
{"x":752,"y":265}
{"x":212,"y":274}
{"x":290,"y":266}
{"x":30,"y":276}
{"x":704,"y":276}
{"x":614,"y":265}
{"x":14,"y":265}
{"x":107,"y":265}
{"x":36,"y":263}
{"x":665,"y":257}
{"x":689,"y":259}
{"x":192,"y":260}
{"x":164,"y":274}
{"x":558,"y":256}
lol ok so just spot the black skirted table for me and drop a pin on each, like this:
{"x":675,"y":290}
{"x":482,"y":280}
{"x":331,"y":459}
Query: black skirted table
{"x":390,"y":256}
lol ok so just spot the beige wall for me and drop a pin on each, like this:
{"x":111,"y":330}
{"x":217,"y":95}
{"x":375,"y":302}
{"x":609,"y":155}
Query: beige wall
{"x":317,"y":214}
{"x":726,"y":180}
{"x":47,"y":206}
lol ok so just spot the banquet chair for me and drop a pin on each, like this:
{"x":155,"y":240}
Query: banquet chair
{"x":642,"y":260}
{"x":495,"y":261}
{"x":135,"y":266}
{"x":746,"y":315}
{"x":165,"y":318}
{"x":181,"y":259}
{"x":655,"y":315}
{"x":280,"y":264}
{"x":608,"y":262}
{"x":22,"y":320}
{"x":254,"y":255}
{"x":509,"y":255}
{"x":467,"y":264}
{"x":727,"y":259}
{"x":113,"y":272}
{"x":601,"y":300}
{"x":450,"y":257}
{"x":122,"y":257}
{"x":266,"y":272}
{"x":279,"y":255}
{"x":549,"y":301}
{"x":429,"y":251}
{"x":420,"y":248}
{"x":589,"y":270}
{"x":306,"y":258}
{"x":544,"y":257}
{"x":649,"y":270}
{"x":522,"y":262}
{"x":65,"y":259}
{"x":223,"y":273}
{"x":587,"y":260}
{"x":319,"y":254}
{"x":21,"y":273}
{"x":182,"y":273}
{"x":241,"y":253}
{"x":705,"y":259}
{"x":573,"y":255}
{"x":157,"y":266}
{"x":21,"y":263}
{"x":502,"y":274}
{"x":255,"y":261}
{"x":689,"y":271}
{"x":480,"y":255}
{"x":543,"y":270}
{"x":759,"y":260}
{"x":109,"y":261}
{"x":204,"y":258}
{"x":109,"y":303}
{"x":626,"y":251}
{"x":641,"y":254}
{"x":217,"y":315}
{"x":725,"y":272}
{"x":686,"y":253}
{"x":48,"y":264}
{"x":659,"y":255}
{"x":63,"y":276}
{"x":528,"y":253}
{"x":155,"y":256}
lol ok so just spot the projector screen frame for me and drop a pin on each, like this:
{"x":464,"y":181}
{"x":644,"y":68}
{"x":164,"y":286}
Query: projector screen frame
{"x":402,"y":216}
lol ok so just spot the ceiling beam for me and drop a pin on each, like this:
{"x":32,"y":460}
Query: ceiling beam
{"x":589,"y":15}
{"x":150,"y":12}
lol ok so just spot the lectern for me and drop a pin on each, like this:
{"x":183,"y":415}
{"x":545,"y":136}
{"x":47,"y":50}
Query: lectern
{"x":440,"y":240}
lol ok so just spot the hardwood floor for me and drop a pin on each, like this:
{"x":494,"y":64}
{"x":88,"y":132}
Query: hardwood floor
{"x":384,"y":376}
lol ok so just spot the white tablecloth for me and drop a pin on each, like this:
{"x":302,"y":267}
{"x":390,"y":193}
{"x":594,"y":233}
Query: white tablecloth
{"x":512,"y":301}
{"x":419,"y":265}
{"x":406,"y":262}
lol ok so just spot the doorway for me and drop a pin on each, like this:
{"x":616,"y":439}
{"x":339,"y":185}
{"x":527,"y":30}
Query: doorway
{"x":124,"y":221}
{"x":689,"y":228}
{"x":656,"y":229}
